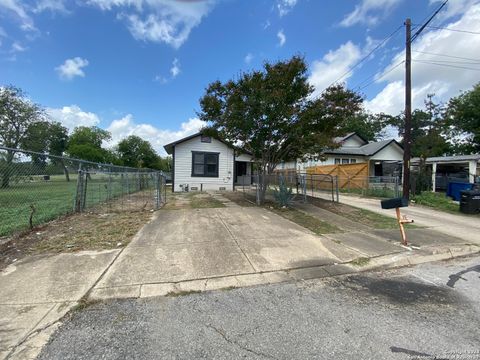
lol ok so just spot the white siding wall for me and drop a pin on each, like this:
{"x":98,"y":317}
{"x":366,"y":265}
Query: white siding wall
{"x":183,"y":165}
{"x":330,"y":161}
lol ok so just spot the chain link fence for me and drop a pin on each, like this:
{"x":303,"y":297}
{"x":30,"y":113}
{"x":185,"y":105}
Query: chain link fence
{"x":36,"y":188}
{"x":302,"y":185}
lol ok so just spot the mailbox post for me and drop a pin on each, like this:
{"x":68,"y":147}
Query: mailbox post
{"x":396,"y":204}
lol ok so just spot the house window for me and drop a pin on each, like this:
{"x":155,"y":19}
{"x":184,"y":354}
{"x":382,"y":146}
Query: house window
{"x":353,"y":161}
{"x":204,"y":164}
{"x":205,"y":139}
{"x":337,"y":161}
{"x":345,"y":161}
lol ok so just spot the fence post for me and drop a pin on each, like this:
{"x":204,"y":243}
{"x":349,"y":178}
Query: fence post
{"x":336,"y":188}
{"x":157,"y":191}
{"x":81,"y":191}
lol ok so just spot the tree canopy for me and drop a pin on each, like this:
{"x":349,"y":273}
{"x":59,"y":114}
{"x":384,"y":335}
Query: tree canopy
{"x":86,"y":143}
{"x":135,"y":152}
{"x":463,"y":119}
{"x":17,"y":114}
{"x":271,"y":114}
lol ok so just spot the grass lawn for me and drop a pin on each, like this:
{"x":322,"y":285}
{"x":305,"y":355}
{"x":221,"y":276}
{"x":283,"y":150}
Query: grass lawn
{"x":312,"y":223}
{"x":47,"y":200}
{"x":437,"y":201}
{"x":362,"y":216}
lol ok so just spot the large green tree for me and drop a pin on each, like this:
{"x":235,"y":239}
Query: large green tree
{"x":369,"y":126}
{"x":17,"y":114}
{"x":47,"y":137}
{"x":86,"y":143}
{"x":428,"y":132}
{"x":271,"y":114}
{"x":463,"y":119}
{"x":135,"y":152}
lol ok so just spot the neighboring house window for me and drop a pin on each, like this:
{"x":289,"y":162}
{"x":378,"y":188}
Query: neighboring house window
{"x":206,"y":139}
{"x":337,"y":161}
{"x":345,"y":161}
{"x":353,"y":161}
{"x":204,"y":164}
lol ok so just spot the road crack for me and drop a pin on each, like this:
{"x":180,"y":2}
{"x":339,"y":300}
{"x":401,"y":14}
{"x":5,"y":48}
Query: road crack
{"x":240,"y":346}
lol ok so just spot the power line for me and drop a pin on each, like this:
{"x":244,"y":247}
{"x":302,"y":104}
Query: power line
{"x":366,"y":56}
{"x":417,"y":33}
{"x":446,"y":65}
{"x":451,"y":61}
{"x":444,"y":55}
{"x":360,"y":87}
{"x":455,"y":30}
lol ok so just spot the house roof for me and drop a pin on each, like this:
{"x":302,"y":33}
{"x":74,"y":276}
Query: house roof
{"x":449,"y":159}
{"x":169,"y":147}
{"x":369,"y":149}
{"x":348,"y":136}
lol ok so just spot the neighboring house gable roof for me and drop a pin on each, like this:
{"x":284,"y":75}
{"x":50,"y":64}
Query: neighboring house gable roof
{"x":369,"y":149}
{"x":348,"y":136}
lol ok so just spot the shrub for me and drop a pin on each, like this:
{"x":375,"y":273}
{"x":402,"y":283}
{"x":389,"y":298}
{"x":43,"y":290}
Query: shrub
{"x":283,"y":194}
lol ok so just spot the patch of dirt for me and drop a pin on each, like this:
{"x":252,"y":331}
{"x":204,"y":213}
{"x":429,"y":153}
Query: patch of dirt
{"x":239,"y":198}
{"x":191,"y":200}
{"x":362,"y":216}
{"x":84,"y":231}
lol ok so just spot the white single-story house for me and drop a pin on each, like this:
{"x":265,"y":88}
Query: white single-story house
{"x":203,"y":162}
{"x":382,"y":156}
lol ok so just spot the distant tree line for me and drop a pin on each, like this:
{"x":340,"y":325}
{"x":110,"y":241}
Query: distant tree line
{"x":26,"y":125}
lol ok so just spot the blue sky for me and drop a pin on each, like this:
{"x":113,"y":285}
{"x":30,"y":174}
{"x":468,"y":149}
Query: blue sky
{"x":140,"y":66}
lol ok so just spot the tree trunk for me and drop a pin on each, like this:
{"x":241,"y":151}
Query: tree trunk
{"x":262,"y":184}
{"x":65,"y":170}
{"x":8,"y":170}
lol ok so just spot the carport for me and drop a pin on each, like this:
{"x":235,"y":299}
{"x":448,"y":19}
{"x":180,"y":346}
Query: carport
{"x":460,"y":168}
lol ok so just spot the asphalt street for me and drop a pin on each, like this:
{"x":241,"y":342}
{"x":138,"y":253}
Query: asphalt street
{"x":428,"y":311}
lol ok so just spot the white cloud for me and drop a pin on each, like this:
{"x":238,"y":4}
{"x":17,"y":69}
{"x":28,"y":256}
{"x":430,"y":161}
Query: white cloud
{"x":285,"y":6}
{"x":248,"y":58}
{"x":16,"y":8}
{"x":333,"y":65}
{"x":369,"y":12}
{"x":281,"y":38}
{"x":72,"y":116}
{"x":444,"y":78}
{"x":71,"y":68}
{"x":175,"y":69}
{"x":126,"y":126}
{"x":159,"y":21}
{"x":51,"y":5}
{"x":453,"y":8}
{"x":17,"y":47}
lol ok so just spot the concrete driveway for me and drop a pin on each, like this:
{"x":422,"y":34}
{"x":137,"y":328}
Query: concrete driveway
{"x":206,"y":245}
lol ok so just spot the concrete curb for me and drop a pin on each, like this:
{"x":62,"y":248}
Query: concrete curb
{"x":384,"y":262}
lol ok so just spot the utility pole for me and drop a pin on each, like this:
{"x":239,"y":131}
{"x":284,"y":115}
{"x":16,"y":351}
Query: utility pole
{"x":407,"y":140}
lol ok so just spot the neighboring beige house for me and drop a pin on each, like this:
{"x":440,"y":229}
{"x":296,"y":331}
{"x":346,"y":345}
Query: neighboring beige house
{"x":204,"y":163}
{"x":383,"y":157}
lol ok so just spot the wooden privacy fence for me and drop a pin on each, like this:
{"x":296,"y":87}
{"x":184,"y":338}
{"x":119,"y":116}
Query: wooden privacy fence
{"x":351,"y":176}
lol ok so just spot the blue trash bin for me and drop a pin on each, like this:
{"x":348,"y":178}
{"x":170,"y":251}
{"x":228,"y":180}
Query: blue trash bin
{"x":454,"y":189}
